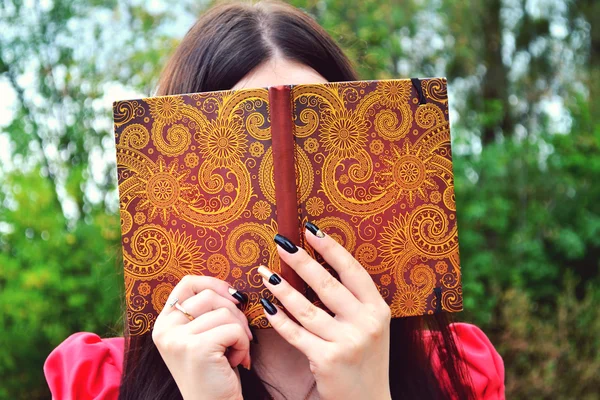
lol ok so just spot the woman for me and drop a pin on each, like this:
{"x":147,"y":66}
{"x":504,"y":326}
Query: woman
{"x":350,"y":356}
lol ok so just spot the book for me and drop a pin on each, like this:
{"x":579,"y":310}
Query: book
{"x":207,"y":179}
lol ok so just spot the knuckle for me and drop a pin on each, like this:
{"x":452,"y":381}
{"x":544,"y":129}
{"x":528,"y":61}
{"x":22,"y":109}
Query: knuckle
{"x":330,"y":359}
{"x":329,"y":282}
{"x":291,"y":332}
{"x":207,"y":295}
{"x":308,"y":312}
{"x":186,"y":280}
{"x":304,"y":260}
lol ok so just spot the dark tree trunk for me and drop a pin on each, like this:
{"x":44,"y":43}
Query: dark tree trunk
{"x":495,"y":82}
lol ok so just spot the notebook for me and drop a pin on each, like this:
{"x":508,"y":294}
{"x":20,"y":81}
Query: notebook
{"x":207,"y":179}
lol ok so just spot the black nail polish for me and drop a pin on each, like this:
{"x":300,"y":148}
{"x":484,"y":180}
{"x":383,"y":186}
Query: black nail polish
{"x":269,"y":307}
{"x":239,"y":296}
{"x":285,"y":243}
{"x":312,"y":228}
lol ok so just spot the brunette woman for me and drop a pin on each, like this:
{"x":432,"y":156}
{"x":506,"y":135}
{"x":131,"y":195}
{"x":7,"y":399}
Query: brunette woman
{"x":359,"y":354}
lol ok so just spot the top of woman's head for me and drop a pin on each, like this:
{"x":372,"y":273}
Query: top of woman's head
{"x":232,"y":39}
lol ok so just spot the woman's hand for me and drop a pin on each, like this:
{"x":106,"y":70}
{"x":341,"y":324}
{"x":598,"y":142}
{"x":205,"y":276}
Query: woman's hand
{"x":348,"y":353}
{"x":201,"y":354}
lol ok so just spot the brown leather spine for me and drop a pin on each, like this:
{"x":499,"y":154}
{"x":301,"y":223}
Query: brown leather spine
{"x":286,"y":192}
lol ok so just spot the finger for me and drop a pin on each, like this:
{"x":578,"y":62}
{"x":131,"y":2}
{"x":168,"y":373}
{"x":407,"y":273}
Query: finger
{"x":352,"y":274}
{"x":212,"y":319}
{"x":311,"y":317}
{"x":223,"y":337}
{"x":331,"y":292}
{"x":190,"y":285}
{"x":205,"y":302}
{"x":294,"y":334}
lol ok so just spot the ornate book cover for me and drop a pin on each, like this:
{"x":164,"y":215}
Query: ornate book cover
{"x":207,"y":179}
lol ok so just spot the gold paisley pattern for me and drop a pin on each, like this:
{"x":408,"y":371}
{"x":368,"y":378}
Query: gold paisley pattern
{"x":223,"y":142}
{"x":373,"y":171}
{"x":343,"y":133}
{"x":388,"y":176}
{"x":166,"y":109}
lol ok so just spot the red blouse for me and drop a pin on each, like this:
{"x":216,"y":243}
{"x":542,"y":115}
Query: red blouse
{"x":84,"y":366}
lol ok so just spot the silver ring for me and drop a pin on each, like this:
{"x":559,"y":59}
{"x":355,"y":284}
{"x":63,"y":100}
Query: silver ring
{"x":173,"y":301}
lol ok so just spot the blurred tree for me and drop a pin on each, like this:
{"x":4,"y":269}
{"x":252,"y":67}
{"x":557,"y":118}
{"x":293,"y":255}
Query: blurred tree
{"x":59,"y":230}
{"x":523,"y":76}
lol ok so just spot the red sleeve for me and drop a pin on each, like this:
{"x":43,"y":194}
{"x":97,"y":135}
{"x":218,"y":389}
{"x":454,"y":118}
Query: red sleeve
{"x":482,"y":360}
{"x":84,"y":366}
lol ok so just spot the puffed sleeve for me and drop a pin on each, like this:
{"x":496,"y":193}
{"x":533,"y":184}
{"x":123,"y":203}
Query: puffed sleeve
{"x":482,"y":361}
{"x":84,"y":366}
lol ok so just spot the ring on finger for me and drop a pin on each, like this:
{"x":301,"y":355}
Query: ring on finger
{"x":173,"y":301}
{"x":180,"y":308}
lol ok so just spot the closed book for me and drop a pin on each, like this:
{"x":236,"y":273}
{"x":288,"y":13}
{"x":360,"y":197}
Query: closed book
{"x":206,"y":180}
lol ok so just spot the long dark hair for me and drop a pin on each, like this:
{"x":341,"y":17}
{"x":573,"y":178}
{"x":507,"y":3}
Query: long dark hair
{"x":226,"y":43}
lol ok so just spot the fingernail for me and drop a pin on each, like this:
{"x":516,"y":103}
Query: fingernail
{"x":239,"y":296}
{"x":312,"y":228}
{"x":268,"y":306}
{"x":248,"y":365}
{"x":269,"y":275}
{"x":285,"y":244}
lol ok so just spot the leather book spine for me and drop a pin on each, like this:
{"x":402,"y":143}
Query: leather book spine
{"x":284,"y":160}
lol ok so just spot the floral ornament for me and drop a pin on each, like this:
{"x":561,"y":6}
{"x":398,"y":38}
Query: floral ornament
{"x":344,"y":179}
{"x":393,"y":240}
{"x":315,"y":206}
{"x":376,"y":147}
{"x":409,"y":173}
{"x":435,"y":197}
{"x":223,"y":142}
{"x":394,"y":93}
{"x":257,"y":149}
{"x":261,"y":210}
{"x":343,"y":133}
{"x":160,"y":295}
{"x":236,"y":273}
{"x":311,"y":145}
{"x":385,"y":279}
{"x":441,"y":267}
{"x":139,"y":218}
{"x":229,"y":187}
{"x":408,"y":301}
{"x":166,"y":109}
{"x":144,"y":289}
{"x":162,"y":190}
{"x":191,"y":160}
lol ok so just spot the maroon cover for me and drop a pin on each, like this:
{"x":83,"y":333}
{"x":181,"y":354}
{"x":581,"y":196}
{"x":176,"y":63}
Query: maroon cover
{"x":207,"y":179}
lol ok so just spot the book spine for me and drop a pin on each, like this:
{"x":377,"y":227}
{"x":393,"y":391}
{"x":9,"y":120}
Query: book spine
{"x":286,"y":197}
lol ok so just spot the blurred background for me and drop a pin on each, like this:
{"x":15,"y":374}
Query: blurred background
{"x":523,"y":76}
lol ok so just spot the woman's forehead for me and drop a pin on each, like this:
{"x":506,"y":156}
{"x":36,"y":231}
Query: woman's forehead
{"x":279,"y":71}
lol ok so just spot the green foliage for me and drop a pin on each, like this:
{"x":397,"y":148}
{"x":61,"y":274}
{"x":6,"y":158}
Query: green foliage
{"x":527,"y":197}
{"x":551,"y":354}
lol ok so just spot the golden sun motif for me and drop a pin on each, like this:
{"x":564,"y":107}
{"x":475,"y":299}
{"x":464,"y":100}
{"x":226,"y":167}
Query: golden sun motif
{"x":162,"y":190}
{"x":394,"y":240}
{"x":394,"y":93}
{"x":166,"y":109}
{"x":408,"y":301}
{"x":187,"y":258}
{"x":343,"y":133}
{"x":408,"y":173}
{"x":223,"y":143}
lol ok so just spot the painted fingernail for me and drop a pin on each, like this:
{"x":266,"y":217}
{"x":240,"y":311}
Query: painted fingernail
{"x":236,"y":294}
{"x":285,"y":243}
{"x":269,"y":275}
{"x":312,"y":228}
{"x":268,"y":306}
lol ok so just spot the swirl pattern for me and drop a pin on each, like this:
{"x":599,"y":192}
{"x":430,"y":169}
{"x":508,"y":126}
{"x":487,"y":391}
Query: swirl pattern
{"x":373,"y":171}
